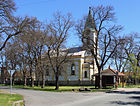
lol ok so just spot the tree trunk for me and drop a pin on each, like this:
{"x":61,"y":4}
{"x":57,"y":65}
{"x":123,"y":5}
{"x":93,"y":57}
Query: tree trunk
{"x":13,"y":82}
{"x":24,"y":78}
{"x":25,"y":81}
{"x":31,"y":75}
{"x":100,"y":79}
{"x":37,"y":82}
{"x":135,"y":81}
{"x":43,"y":80}
{"x":123,"y":82}
{"x":4,"y":81}
{"x":57,"y":81}
{"x":32,"y":82}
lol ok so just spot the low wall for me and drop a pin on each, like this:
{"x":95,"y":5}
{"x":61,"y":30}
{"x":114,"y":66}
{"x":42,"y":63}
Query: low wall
{"x":71,"y":83}
{"x":51,"y":83}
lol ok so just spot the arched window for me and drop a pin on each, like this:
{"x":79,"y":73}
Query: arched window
{"x":85,"y":74}
{"x":73,"y":69}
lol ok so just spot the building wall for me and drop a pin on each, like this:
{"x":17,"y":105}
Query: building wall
{"x":81,"y":66}
{"x":73,"y":77}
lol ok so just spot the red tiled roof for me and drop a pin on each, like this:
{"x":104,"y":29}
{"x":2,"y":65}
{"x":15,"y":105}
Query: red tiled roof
{"x":119,"y":73}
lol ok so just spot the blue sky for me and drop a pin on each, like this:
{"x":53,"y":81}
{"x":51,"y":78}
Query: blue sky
{"x":127,"y":12}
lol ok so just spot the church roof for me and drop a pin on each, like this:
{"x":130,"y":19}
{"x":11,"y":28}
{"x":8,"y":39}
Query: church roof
{"x":76,"y":51}
{"x":90,"y":21}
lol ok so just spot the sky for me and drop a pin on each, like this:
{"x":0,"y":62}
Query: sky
{"x":127,"y":12}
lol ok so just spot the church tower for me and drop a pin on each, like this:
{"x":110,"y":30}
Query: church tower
{"x":90,"y":40}
{"x":89,"y":35}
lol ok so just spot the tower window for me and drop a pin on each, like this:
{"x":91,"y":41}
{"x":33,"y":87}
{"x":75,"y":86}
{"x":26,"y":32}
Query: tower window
{"x":85,"y":74}
{"x":73,"y":69}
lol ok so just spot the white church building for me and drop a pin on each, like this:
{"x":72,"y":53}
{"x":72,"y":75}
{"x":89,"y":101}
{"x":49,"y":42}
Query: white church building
{"x":82,"y":67}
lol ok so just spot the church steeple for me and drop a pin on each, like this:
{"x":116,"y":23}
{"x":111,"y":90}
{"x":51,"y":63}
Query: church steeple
{"x":90,"y":24}
{"x":89,"y":34}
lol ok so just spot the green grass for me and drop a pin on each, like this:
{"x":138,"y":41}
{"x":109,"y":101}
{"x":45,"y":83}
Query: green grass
{"x":62,"y":88}
{"x":69,"y":88}
{"x":8,"y":99}
{"x":52,"y":88}
{"x":132,"y":86}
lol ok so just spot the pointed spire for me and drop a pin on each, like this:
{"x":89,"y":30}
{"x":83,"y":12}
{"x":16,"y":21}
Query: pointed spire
{"x":90,"y":21}
{"x":90,"y":10}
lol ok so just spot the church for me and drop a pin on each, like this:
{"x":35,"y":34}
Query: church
{"x":81,"y":68}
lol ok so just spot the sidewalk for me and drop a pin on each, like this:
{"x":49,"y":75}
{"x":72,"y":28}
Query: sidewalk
{"x":127,"y":89}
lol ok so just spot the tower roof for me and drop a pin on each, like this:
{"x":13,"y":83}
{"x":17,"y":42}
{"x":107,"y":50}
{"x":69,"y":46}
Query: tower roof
{"x":90,"y":21}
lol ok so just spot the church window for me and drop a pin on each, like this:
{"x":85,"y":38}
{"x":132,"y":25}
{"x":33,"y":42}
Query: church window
{"x":73,"y":69}
{"x":85,"y":74}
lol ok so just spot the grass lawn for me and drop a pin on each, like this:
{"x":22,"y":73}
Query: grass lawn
{"x":8,"y":99}
{"x":62,"y":88}
{"x":132,"y":86}
{"x":69,"y":88}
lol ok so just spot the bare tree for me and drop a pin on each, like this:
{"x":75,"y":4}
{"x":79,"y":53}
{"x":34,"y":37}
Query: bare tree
{"x":2,"y":55}
{"x":133,"y":53}
{"x":11,"y":57}
{"x":29,"y":52}
{"x":38,"y":51}
{"x":9,"y":25}
{"x":105,"y":41}
{"x":27,"y":43}
{"x":119,"y":58}
{"x":22,"y":60}
{"x":58,"y":31}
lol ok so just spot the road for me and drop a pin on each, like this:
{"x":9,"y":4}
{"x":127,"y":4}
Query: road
{"x":128,"y":97}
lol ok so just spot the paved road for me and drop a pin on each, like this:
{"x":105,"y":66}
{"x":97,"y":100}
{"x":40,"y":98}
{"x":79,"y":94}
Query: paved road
{"x":129,"y":97}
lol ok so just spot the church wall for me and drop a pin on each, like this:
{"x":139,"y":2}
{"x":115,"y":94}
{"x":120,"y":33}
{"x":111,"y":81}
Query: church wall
{"x":91,"y":71}
{"x":66,"y":75}
{"x":69,"y":79}
{"x":73,"y":77}
{"x":81,"y":67}
{"x":88,"y":72}
{"x":61,"y":77}
{"x":51,"y":76}
{"x":96,"y":69}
